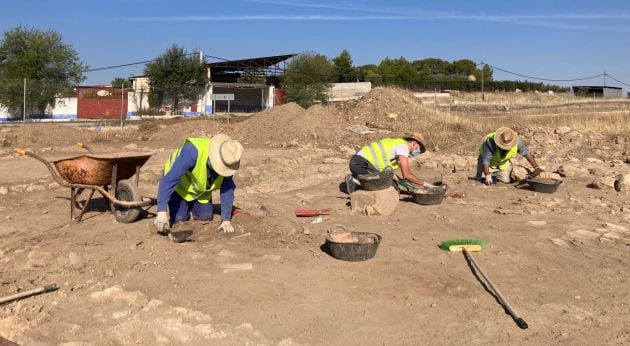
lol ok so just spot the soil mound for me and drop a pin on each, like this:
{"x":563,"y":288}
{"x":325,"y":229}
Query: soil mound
{"x":290,"y":125}
{"x":383,"y":107}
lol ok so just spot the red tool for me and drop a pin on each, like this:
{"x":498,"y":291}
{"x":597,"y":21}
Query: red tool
{"x":312,"y":212}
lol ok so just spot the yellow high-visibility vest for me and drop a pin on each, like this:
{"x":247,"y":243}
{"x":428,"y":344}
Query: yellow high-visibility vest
{"x":193,"y":185}
{"x":377,"y":153}
{"x":497,"y":160}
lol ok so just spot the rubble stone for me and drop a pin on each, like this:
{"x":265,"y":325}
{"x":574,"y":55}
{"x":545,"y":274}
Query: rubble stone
{"x":3,"y":190}
{"x":562,"y":130}
{"x":382,"y":202}
{"x":622,"y":183}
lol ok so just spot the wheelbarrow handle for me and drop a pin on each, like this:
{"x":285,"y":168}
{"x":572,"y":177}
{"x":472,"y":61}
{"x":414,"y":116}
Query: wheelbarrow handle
{"x":51,"y":167}
{"x":85,"y":146}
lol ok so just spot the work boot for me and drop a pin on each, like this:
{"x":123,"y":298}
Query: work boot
{"x":351,"y":185}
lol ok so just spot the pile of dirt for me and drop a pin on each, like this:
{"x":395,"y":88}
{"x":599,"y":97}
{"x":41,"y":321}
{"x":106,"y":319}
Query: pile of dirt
{"x":291,"y":125}
{"x":384,"y":107}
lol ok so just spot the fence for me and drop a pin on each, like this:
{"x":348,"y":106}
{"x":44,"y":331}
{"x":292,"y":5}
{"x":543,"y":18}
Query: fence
{"x":36,"y":100}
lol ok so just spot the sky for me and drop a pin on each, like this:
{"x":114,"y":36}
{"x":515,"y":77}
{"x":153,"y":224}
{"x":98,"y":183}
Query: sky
{"x":547,"y":39}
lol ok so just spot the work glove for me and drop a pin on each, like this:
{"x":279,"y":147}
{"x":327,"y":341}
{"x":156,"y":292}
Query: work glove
{"x":427,"y":185}
{"x":226,"y":227}
{"x":488,"y":179}
{"x":161,"y":223}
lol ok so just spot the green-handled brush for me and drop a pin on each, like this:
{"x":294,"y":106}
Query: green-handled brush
{"x":473,"y":245}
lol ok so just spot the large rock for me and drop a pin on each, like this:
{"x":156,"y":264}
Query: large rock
{"x":622,"y":183}
{"x":382,"y":202}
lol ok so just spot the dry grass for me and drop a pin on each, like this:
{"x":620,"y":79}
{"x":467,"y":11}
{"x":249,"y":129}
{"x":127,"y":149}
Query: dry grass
{"x":461,"y":131}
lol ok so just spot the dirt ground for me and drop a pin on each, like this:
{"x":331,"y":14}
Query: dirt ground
{"x":560,"y":259}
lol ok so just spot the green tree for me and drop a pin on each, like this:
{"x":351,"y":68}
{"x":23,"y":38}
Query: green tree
{"x":51,"y":67}
{"x":461,"y":69}
{"x":487,"y":73}
{"x":174,"y":77}
{"x":118,"y":82}
{"x":306,"y":79}
{"x":434,"y":66}
{"x":397,"y":71}
{"x":342,"y":71}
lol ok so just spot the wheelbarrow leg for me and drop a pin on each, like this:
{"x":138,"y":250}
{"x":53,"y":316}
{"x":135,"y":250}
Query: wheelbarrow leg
{"x":137,"y":177}
{"x":84,"y":206}
{"x":73,"y":199}
{"x":110,"y":205}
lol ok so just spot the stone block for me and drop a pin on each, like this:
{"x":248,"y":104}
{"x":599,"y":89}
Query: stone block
{"x":382,"y":202}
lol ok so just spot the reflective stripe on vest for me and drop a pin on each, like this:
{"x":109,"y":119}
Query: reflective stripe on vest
{"x":497,"y":160}
{"x":377,"y":153}
{"x":193,"y":185}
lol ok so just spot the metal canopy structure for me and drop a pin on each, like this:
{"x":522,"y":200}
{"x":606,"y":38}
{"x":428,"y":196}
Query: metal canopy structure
{"x":262,"y":70}
{"x":253,"y":63}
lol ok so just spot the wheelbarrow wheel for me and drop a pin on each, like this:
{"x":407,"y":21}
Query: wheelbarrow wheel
{"x":126,"y":191}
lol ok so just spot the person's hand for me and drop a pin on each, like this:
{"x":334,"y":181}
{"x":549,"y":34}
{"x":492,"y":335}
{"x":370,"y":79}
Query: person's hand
{"x":536,"y":172}
{"x":226,"y":227}
{"x":161,"y":223}
{"x":488,"y":179}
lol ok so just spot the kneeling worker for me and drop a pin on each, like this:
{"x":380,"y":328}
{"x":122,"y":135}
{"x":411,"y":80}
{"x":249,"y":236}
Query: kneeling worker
{"x":199,"y":167}
{"x":386,"y":153}
{"x":495,"y":154}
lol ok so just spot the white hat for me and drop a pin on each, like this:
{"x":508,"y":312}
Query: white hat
{"x":225,"y":155}
{"x":505,"y":138}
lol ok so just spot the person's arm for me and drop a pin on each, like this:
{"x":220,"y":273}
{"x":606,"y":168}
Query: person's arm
{"x":486,"y":155}
{"x":406,"y":171}
{"x":185,"y":162}
{"x":227,"y":198}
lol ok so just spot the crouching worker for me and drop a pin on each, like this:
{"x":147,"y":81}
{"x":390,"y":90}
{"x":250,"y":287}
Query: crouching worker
{"x":191,"y":173}
{"x":495,"y":153}
{"x":388,"y":153}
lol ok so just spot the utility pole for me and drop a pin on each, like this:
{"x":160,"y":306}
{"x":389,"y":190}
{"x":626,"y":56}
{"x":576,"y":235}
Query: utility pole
{"x":483,"y":95}
{"x":604,"y":79}
{"x":24,"y":104}
{"x":122,"y":103}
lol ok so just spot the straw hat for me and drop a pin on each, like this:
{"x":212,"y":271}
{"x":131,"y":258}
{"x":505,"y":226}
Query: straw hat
{"x":505,"y":138}
{"x":225,"y":155}
{"x":416,"y":136}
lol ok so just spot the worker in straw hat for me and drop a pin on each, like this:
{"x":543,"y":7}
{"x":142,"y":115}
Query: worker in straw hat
{"x":191,"y":173}
{"x":388,"y":153}
{"x":495,"y":153}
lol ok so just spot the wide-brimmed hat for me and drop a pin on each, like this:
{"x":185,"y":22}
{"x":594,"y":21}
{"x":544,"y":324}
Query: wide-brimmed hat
{"x":416,"y":136}
{"x":225,"y":154}
{"x":505,"y":138}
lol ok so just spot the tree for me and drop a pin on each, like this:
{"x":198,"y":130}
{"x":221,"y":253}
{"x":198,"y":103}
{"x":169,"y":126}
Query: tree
{"x":175,"y":76}
{"x":398,"y":71}
{"x":118,"y":82}
{"x":306,"y":79}
{"x":487,"y":72}
{"x":463,"y":68}
{"x":50,"y":66}
{"x":342,"y":68}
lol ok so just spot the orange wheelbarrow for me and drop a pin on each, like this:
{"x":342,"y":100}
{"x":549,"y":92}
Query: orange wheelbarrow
{"x":109,"y":174}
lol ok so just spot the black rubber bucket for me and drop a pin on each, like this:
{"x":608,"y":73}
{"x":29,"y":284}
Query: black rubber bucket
{"x":431,"y":196}
{"x":376,"y":181}
{"x":543,"y":185}
{"x":352,"y":246}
